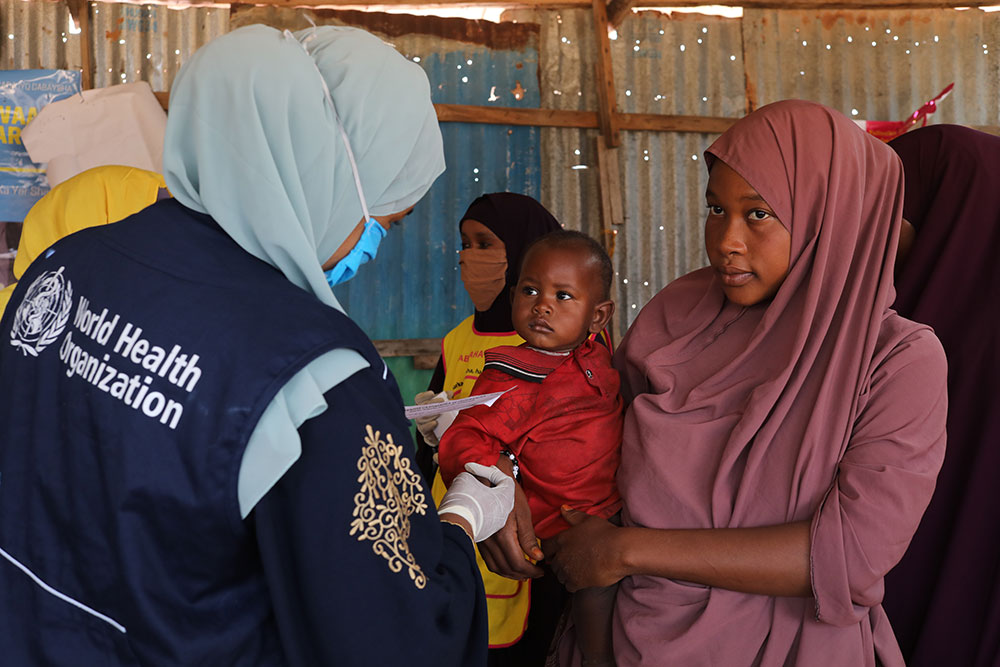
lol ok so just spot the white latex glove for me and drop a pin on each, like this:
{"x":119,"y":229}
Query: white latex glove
{"x":427,"y":425}
{"x":486,"y":508}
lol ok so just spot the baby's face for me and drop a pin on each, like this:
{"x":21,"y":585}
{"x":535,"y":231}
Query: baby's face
{"x":556,"y":298}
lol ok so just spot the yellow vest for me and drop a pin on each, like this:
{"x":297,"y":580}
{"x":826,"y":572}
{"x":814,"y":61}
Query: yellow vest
{"x":97,"y":196}
{"x":507,"y":601}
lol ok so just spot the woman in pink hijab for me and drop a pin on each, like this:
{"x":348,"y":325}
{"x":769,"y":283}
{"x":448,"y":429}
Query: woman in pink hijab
{"x":785,"y":427}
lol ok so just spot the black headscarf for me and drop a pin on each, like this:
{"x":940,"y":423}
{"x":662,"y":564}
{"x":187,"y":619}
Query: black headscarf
{"x":943,"y":599}
{"x":517,"y":220}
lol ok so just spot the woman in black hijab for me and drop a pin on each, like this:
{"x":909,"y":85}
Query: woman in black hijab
{"x":943,"y":599}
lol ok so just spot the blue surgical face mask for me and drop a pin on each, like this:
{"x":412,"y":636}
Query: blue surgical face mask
{"x":363,"y":251}
{"x":374,"y":232}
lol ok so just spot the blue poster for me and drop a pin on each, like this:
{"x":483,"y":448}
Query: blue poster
{"x":22,"y":94}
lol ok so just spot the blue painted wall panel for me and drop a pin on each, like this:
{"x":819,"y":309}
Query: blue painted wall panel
{"x":413,"y":289}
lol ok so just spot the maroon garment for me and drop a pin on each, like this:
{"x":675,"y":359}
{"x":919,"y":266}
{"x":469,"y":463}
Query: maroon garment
{"x":944,"y":597}
{"x":820,"y":405}
{"x":562,"y":419}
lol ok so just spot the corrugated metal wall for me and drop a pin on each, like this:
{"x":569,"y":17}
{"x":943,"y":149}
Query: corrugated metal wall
{"x":686,"y":64}
{"x":149,"y":42}
{"x":883,"y":65}
{"x":676,"y":64}
{"x":37,"y":35}
{"x":143,"y":42}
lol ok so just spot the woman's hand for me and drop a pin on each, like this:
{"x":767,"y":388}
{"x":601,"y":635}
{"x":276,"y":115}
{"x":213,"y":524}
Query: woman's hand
{"x":763,"y":560}
{"x":427,"y":425}
{"x":506,"y":551}
{"x":481,"y":495}
{"x":586,"y":554}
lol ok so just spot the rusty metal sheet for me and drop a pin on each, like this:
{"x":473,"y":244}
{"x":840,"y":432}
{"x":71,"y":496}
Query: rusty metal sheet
{"x":878,"y":65}
{"x":37,"y":35}
{"x":149,"y":42}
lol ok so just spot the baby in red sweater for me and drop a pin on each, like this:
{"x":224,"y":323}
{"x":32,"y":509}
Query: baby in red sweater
{"x":560,"y":423}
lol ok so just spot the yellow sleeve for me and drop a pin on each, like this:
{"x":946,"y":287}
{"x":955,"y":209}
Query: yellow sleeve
{"x":98,"y":196}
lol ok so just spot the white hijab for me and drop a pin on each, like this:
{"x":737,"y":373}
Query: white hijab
{"x":252,"y":141}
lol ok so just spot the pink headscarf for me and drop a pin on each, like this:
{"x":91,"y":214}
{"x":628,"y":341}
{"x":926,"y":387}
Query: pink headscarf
{"x":777,"y":412}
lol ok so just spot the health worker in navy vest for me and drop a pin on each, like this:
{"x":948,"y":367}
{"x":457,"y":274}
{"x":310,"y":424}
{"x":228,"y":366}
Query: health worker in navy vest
{"x":203,"y":461}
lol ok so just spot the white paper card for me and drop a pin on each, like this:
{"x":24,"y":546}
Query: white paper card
{"x":122,"y":124}
{"x":432,"y":409}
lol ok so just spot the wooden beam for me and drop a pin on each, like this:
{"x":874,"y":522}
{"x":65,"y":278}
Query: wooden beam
{"x":80,"y":11}
{"x":651,"y":122}
{"x":604,"y":78}
{"x":402,"y":4}
{"x":561,"y":4}
{"x":750,"y":73}
{"x":823,"y":5}
{"x":648,"y":122}
{"x":462,"y":113}
{"x":424,"y":351}
{"x":408,"y":347}
{"x":587,"y":120}
{"x":610,"y":190}
{"x":618,"y":10}
{"x":606,"y":184}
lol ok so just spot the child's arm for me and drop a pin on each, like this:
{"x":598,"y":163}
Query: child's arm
{"x":469,"y":439}
{"x":481,"y":432}
{"x":466,"y":440}
{"x":592,"y":609}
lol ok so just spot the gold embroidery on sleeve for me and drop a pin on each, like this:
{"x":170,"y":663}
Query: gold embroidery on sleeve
{"x":390,"y":492}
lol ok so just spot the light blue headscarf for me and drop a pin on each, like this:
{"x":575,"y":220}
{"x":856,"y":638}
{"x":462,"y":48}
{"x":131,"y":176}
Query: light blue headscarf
{"x":252,"y":141}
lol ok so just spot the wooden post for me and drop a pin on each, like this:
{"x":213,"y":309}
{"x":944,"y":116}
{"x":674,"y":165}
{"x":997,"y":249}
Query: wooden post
{"x":609,"y":181}
{"x":612,"y":208}
{"x":749,"y":70}
{"x":612,"y":211}
{"x":605,"y":80}
{"x":618,"y":10}
{"x":80,"y":11}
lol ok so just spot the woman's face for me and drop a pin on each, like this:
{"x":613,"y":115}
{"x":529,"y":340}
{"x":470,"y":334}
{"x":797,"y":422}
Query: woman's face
{"x":352,"y":239}
{"x":483,"y":262}
{"x":477,"y":236}
{"x":747,"y":245}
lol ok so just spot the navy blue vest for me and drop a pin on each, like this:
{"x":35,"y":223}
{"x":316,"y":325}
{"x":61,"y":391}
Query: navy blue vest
{"x":136,"y":360}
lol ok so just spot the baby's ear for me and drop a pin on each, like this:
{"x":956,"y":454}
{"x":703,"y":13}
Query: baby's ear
{"x":602,"y":315}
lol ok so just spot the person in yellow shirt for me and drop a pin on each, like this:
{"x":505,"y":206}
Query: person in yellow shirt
{"x":97,"y":196}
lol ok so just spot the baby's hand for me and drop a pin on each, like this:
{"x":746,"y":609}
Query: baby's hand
{"x":507,"y":553}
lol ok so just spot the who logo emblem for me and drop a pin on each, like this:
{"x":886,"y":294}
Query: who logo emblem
{"x":43,"y":314}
